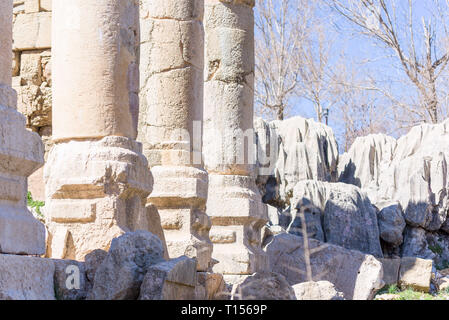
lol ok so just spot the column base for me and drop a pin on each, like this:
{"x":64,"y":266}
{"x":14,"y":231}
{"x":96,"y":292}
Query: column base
{"x":96,"y":191}
{"x":237,"y":215}
{"x":179,"y":194}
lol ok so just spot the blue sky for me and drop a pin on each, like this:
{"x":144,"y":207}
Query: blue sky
{"x":357,"y":50}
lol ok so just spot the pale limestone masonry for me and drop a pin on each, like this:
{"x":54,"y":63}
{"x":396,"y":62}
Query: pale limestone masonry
{"x":31,"y":72}
{"x":97,"y":179}
{"x":21,"y":153}
{"x":170,"y":122}
{"x":234,"y":203}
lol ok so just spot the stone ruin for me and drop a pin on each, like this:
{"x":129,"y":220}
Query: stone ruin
{"x":21,"y":153}
{"x":116,"y":91}
{"x":157,"y":171}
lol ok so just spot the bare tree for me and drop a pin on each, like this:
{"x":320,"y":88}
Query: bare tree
{"x":359,"y":110}
{"x":421,"y":51}
{"x":281,"y":27}
{"x":317,"y":81}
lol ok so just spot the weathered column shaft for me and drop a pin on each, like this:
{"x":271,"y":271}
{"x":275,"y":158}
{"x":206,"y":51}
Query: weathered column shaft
{"x":5,"y":42}
{"x":234,"y":203}
{"x":21,"y":153}
{"x":95,"y":69}
{"x":170,"y":122}
{"x":96,"y":177}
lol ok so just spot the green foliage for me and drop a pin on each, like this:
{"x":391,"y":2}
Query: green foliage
{"x":411,"y":294}
{"x":393,"y":289}
{"x":437,"y":249}
{"x":389,"y":289}
{"x":36,"y":205}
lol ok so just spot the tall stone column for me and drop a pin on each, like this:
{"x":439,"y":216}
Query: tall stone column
{"x":96,"y":176}
{"x":21,"y":153}
{"x":234,"y":203}
{"x":170,"y":122}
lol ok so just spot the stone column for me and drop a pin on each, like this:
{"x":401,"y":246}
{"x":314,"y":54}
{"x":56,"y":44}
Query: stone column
{"x":234,"y":203}
{"x":21,"y":153}
{"x":170,"y":122}
{"x":97,"y":179}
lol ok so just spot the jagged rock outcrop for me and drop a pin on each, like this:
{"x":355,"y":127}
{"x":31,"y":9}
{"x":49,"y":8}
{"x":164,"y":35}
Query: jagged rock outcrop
{"x":362,"y":165}
{"x":412,"y":170}
{"x":293,"y":150}
{"x":358,"y":276}
{"x":426,"y":245}
{"x":337,"y":213}
{"x":409,"y":173}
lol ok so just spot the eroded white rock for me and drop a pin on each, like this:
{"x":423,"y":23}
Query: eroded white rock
{"x":358,"y":276}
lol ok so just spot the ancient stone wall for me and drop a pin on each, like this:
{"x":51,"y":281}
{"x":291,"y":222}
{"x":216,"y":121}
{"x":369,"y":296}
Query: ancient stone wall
{"x":31,"y":64}
{"x":31,"y":71}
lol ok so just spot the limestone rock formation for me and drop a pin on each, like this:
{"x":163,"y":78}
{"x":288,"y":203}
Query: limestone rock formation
{"x":426,"y":245}
{"x":320,"y":290}
{"x":407,"y":181}
{"x":170,"y":280}
{"x":121,"y":273}
{"x":391,"y":222}
{"x":415,"y":273}
{"x":363,"y":164}
{"x":290,"y":151}
{"x":340,"y":213}
{"x":411,"y":170}
{"x":263,"y":286}
{"x":358,"y":276}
